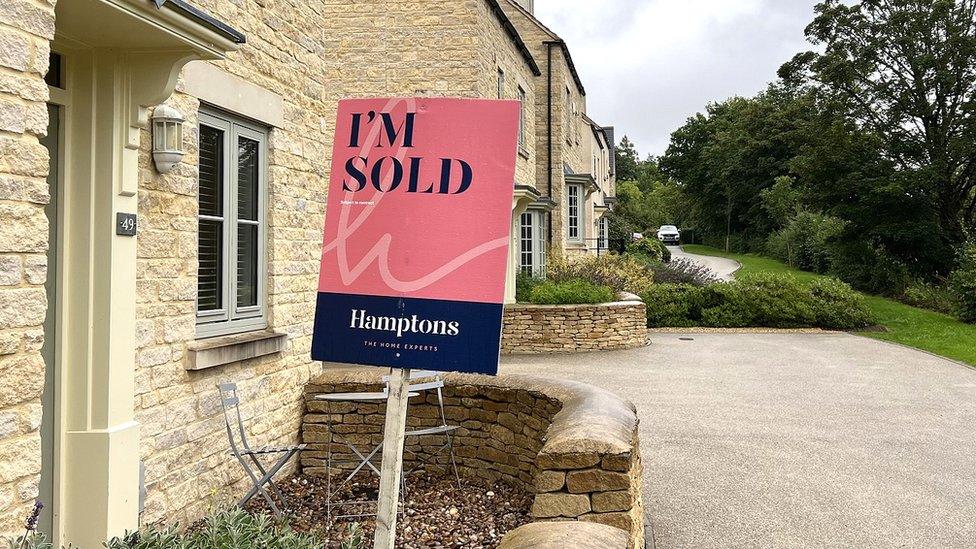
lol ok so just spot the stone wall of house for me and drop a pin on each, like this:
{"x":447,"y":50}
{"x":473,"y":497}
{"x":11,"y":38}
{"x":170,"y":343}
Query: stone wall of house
{"x":526,"y":431}
{"x":532,"y":329}
{"x":498,"y":52}
{"x":26,"y":27}
{"x":311,"y":54}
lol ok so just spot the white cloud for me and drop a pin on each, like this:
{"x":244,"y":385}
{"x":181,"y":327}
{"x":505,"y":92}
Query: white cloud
{"x":647,"y":65}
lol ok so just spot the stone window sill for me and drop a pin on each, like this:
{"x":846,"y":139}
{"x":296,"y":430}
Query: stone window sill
{"x":523,"y":152}
{"x":217,"y":351}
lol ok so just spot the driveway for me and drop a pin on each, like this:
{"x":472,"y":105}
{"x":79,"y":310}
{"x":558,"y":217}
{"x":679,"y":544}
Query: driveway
{"x":722,"y":267}
{"x":794,"y":440}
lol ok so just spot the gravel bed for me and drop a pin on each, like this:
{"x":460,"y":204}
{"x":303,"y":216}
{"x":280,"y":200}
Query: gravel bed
{"x":436,"y":514}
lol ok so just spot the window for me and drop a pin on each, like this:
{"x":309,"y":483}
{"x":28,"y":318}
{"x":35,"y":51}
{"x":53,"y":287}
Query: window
{"x":574,"y":195}
{"x":568,"y":118}
{"x":604,"y":234}
{"x":532,"y":243}
{"x":527,"y":244}
{"x":231,"y":242}
{"x":521,"y":135}
{"x":501,"y":84}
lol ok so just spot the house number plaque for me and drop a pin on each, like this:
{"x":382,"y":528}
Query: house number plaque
{"x":125,"y":224}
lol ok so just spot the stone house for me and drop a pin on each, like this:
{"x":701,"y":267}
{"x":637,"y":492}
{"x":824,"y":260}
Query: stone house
{"x":111,"y":344}
{"x":600,"y":202}
{"x":564,"y":221}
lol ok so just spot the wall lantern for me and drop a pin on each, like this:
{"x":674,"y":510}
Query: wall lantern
{"x":167,"y":149}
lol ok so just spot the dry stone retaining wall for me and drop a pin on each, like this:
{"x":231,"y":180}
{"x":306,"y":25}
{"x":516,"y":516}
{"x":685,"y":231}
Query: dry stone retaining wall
{"x":532,"y":329}
{"x":575,"y":446}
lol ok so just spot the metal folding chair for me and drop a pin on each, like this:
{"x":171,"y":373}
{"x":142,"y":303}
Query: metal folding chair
{"x":431,"y":381}
{"x":230,"y":402}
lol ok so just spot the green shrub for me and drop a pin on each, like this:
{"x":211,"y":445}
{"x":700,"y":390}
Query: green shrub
{"x":232,"y":528}
{"x":622,"y":273}
{"x":32,"y":540}
{"x":572,"y":292}
{"x":523,"y":286}
{"x":838,"y":306}
{"x":805,"y":241}
{"x":651,"y":248}
{"x":767,"y":300}
{"x":869,"y":268}
{"x":963,"y":284}
{"x":673,"y":305}
{"x":934,"y":297}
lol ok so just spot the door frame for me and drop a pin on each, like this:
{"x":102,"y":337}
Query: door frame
{"x":61,"y":97}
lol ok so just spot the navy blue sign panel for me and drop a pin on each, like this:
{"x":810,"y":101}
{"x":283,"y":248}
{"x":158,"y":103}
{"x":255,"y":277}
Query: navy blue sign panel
{"x":401,"y":332}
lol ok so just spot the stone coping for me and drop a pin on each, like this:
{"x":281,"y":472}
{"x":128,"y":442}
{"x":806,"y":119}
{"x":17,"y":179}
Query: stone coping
{"x":573,"y":307}
{"x":592,"y":420}
{"x":561,"y":535}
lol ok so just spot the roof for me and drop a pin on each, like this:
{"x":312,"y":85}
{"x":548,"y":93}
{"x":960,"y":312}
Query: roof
{"x":556,"y":40}
{"x":515,"y":36}
{"x":609,"y":131}
{"x":202,"y":18}
{"x":597,"y":131}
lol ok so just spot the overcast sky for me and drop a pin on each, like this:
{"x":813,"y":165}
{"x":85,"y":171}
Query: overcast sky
{"x":648,"y":65}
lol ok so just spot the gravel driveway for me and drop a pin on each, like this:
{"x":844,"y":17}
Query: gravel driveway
{"x":794,"y":440}
{"x":722,"y":267}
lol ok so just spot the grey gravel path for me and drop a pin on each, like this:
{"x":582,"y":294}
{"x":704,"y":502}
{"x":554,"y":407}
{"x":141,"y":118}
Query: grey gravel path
{"x":794,"y":440}
{"x":722,"y":267}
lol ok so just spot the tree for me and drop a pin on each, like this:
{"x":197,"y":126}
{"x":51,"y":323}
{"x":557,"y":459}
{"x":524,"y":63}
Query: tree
{"x":726,"y":157}
{"x":626,"y":160}
{"x":905,"y":71}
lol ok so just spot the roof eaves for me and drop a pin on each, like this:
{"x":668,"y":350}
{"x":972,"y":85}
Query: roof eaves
{"x":203,"y":18}
{"x":515,"y":36}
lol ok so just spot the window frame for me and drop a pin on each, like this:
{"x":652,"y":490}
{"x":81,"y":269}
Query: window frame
{"x":537,"y":254}
{"x":501,"y":83}
{"x":603,"y":234}
{"x":232,"y":318}
{"x":522,"y":120}
{"x":570,"y":107}
{"x":580,"y":200}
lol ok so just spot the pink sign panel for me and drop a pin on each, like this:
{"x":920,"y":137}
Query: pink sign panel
{"x":417,"y":230}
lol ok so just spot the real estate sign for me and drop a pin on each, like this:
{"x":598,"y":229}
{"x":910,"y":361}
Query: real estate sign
{"x":417,"y":231}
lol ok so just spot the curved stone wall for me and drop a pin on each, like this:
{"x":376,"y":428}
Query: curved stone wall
{"x":573,"y":445}
{"x":534,"y":329}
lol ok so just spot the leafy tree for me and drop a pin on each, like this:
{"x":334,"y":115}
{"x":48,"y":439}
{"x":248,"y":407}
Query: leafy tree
{"x":726,"y":157}
{"x":626,"y":160}
{"x":905,"y":71}
{"x":782,"y":201}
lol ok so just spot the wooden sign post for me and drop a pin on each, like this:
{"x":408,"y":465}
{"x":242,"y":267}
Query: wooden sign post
{"x":415,"y":254}
{"x":392,"y":467}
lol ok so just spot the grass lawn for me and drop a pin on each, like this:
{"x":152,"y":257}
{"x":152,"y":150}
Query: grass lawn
{"x":919,"y":328}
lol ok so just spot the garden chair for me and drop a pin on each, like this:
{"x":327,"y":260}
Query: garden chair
{"x":422,"y":381}
{"x":239,"y":446}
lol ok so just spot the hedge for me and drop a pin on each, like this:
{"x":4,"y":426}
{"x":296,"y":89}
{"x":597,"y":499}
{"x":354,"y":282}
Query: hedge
{"x":765,"y":300}
{"x":572,"y":292}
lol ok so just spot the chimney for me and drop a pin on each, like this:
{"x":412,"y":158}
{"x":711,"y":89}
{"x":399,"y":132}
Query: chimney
{"x":529,"y":5}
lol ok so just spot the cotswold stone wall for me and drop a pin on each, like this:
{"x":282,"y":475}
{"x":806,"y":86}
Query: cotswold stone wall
{"x":531,"y":329}
{"x":311,"y":54}
{"x":24,"y":36}
{"x":573,"y":445}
